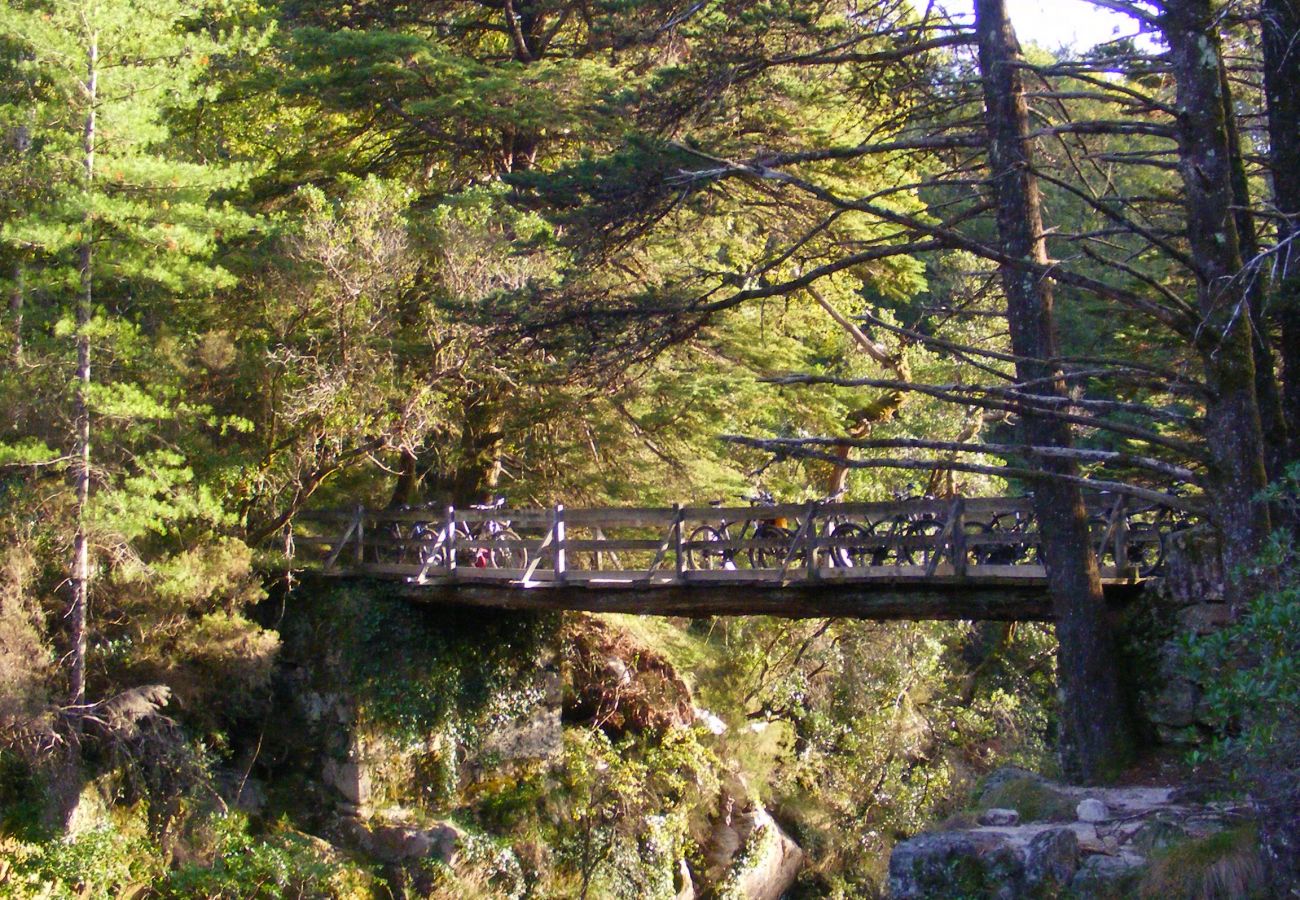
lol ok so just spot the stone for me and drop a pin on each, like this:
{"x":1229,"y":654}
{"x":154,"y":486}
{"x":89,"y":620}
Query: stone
{"x":1105,"y":876}
{"x":683,"y":884}
{"x":999,"y":817}
{"x":1091,"y":809}
{"x":1085,"y":833}
{"x":1175,"y":706}
{"x":1204,"y":618}
{"x":403,"y":843}
{"x":1051,"y":859}
{"x":956,"y":863}
{"x":742,"y":827}
{"x":775,"y":865}
{"x":350,"y":779}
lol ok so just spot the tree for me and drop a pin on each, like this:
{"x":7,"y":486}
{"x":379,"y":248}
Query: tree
{"x":122,"y":210}
{"x":1092,"y":743}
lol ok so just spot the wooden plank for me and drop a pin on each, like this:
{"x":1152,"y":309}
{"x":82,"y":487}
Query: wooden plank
{"x":518,"y":518}
{"x":612,"y":544}
{"x":628,"y":516}
{"x":714,"y":514}
{"x":958,"y":555}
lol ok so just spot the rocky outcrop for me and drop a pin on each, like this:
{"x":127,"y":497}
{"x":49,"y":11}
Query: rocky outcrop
{"x":1188,"y":599}
{"x":400,"y":843}
{"x":1112,"y":835}
{"x":747,"y":853}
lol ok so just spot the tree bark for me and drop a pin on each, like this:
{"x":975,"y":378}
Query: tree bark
{"x":1268,"y":393}
{"x":78,"y":613}
{"x":1095,"y":739}
{"x":1280,"y":23}
{"x":16,"y":297}
{"x":1225,"y":341}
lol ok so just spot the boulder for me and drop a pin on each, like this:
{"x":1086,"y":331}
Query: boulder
{"x":1204,"y":618}
{"x":999,"y":817}
{"x":393,"y":843}
{"x":772,"y":861}
{"x":1105,"y":876}
{"x":1051,"y":859}
{"x":1176,"y":705}
{"x":957,"y":864}
{"x":350,"y":779}
{"x":746,"y":853}
{"x":1092,"y":810}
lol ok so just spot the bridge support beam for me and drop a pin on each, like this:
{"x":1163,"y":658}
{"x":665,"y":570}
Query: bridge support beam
{"x":796,"y":601}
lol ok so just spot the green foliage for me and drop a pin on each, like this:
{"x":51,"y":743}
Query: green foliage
{"x":623,"y":812}
{"x":1250,"y":670}
{"x":102,"y":864}
{"x":418,"y":675}
{"x":1226,"y":865}
{"x":282,"y":863}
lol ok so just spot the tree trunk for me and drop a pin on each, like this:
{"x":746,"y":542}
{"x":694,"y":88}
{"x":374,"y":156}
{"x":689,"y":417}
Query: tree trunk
{"x":1268,"y":393}
{"x":1225,"y":340}
{"x":1094,"y":734}
{"x":77,"y":615}
{"x":1280,"y":20}
{"x":16,"y":297}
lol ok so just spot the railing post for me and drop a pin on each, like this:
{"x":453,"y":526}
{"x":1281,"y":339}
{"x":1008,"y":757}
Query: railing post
{"x":678,"y":556}
{"x":810,"y":541}
{"x":361,"y":536}
{"x":561,"y":561}
{"x":957,"y":543}
{"x":1121,"y":536}
{"x":449,"y":540}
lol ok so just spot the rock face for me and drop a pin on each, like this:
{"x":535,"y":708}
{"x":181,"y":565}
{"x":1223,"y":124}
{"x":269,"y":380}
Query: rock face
{"x":975,"y":863}
{"x":395,"y":843}
{"x":1114,"y":833}
{"x":747,"y":854}
{"x":1189,"y":600}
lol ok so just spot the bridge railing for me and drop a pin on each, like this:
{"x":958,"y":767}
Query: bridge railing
{"x":988,"y":538}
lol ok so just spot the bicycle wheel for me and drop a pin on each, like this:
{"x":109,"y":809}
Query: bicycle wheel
{"x":977,"y":554}
{"x":398,"y":551}
{"x":887,"y":549}
{"x":508,"y":557}
{"x":702,"y":557}
{"x":856,"y":548}
{"x":915,"y":553}
{"x":773,"y":557}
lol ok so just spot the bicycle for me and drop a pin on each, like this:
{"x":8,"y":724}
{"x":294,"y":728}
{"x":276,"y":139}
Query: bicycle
{"x":1003,"y":553}
{"x":700,"y":555}
{"x":898,"y":545}
{"x":433,"y":546}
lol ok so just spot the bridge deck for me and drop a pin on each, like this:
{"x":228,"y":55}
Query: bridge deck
{"x":970,"y":559}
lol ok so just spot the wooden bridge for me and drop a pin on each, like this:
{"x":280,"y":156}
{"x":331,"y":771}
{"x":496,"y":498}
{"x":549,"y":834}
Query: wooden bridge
{"x":915,"y":559}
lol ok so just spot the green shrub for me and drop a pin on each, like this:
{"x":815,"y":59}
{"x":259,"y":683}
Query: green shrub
{"x":102,"y":863}
{"x":1223,"y":866}
{"x":1250,"y":670}
{"x":284,"y":863}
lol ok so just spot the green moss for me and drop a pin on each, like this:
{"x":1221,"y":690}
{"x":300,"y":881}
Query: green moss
{"x":1223,"y":866}
{"x":418,"y":669}
{"x":1034,"y":800}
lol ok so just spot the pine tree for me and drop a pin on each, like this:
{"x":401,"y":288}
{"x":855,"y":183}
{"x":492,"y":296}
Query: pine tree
{"x":121,"y":237}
